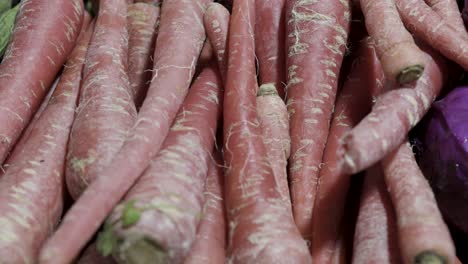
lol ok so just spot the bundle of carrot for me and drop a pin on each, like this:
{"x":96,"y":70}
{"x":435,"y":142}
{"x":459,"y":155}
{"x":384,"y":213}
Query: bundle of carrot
{"x":201,"y":131}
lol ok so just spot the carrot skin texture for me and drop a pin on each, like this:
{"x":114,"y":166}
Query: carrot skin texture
{"x":402,"y":60}
{"x":352,"y":104}
{"x":448,"y":11}
{"x":106,"y":110}
{"x":394,"y":113}
{"x":143,"y":22}
{"x":178,"y":46}
{"x":32,"y":186}
{"x":313,"y":69}
{"x":273,"y":117}
{"x":210,"y":244}
{"x":269,"y":42}
{"x":216,"y":22}
{"x":421,"y":228}
{"x":92,"y":256}
{"x":176,"y":176}
{"x":375,"y":239}
{"x":261,"y":228}
{"x":46,"y":35}
{"x":425,"y":24}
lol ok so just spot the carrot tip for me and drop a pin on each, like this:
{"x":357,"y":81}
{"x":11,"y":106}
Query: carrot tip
{"x":267,"y":89}
{"x":410,"y":74}
{"x":429,"y":257}
{"x":143,"y":251}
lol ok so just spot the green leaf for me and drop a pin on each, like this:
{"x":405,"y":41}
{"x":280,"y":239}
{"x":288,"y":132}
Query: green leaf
{"x":106,"y":242}
{"x":4,"y":5}
{"x":7,"y":23}
{"x":130,"y":214}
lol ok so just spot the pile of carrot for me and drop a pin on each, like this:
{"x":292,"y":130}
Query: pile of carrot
{"x":201,"y":131}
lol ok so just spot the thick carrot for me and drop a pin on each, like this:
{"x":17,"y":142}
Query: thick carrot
{"x":31,"y":189}
{"x":92,"y":256}
{"x":273,"y":117}
{"x":402,"y":60}
{"x":143,"y":22}
{"x":261,"y":228}
{"x":269,"y":43}
{"x":423,"y":234}
{"x":394,"y":113}
{"x":216,"y":22}
{"x":448,"y":11}
{"x":352,"y":104}
{"x":425,"y":24}
{"x":316,"y":37}
{"x":169,"y":194}
{"x":180,"y":39}
{"x":209,"y":245}
{"x":106,"y":110}
{"x":375,"y":238}
{"x":44,"y":35}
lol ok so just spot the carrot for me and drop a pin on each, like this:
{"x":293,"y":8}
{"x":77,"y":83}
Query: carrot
{"x":168,"y":196}
{"x":448,"y":11}
{"x":40,"y":44}
{"x":106,"y":110}
{"x":261,"y":228}
{"x":423,"y":235}
{"x":313,"y":65}
{"x":31,"y":189}
{"x":402,"y":60}
{"x":177,"y":49}
{"x":209,"y":245}
{"x":269,"y":42}
{"x":216,"y":22}
{"x":92,"y":256}
{"x":352,"y":104}
{"x":394,"y":113}
{"x":375,"y":238}
{"x":273,"y":117}
{"x":425,"y":24}
{"x":143,"y":20}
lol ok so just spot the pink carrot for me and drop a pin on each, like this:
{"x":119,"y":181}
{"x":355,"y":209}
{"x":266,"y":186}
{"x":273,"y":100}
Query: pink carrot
{"x":216,"y":21}
{"x":375,"y":238}
{"x":209,"y":245}
{"x":106,"y":110}
{"x":31,"y":189}
{"x":423,"y":234}
{"x":261,"y":228}
{"x":169,"y":194}
{"x":273,"y":117}
{"x":402,"y":60}
{"x":316,"y":32}
{"x":352,"y":104}
{"x":269,"y":43}
{"x":394,"y":113}
{"x":92,"y":256}
{"x":448,"y":11}
{"x":143,"y":20}
{"x":41,"y":43}
{"x":425,"y":24}
{"x":178,"y":46}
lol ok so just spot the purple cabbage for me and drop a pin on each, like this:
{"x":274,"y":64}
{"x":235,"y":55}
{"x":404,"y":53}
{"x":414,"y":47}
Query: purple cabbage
{"x":444,"y":159}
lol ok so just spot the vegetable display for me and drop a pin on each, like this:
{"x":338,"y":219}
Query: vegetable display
{"x":233,"y":131}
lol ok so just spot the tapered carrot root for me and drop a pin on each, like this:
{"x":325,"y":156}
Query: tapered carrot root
{"x":209,"y":245}
{"x":178,"y":46}
{"x":352,"y":104}
{"x":269,"y":43}
{"x":169,"y":193}
{"x":216,"y":22}
{"x":273,"y":117}
{"x":402,"y":61}
{"x":143,"y":22}
{"x":425,"y":24}
{"x":375,"y":239}
{"x":448,"y":11}
{"x":317,"y":32}
{"x":394,"y":113}
{"x":31,"y":188}
{"x":423,"y":234}
{"x":92,"y":256}
{"x":261,"y":228}
{"x":40,"y":44}
{"x":106,"y":110}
